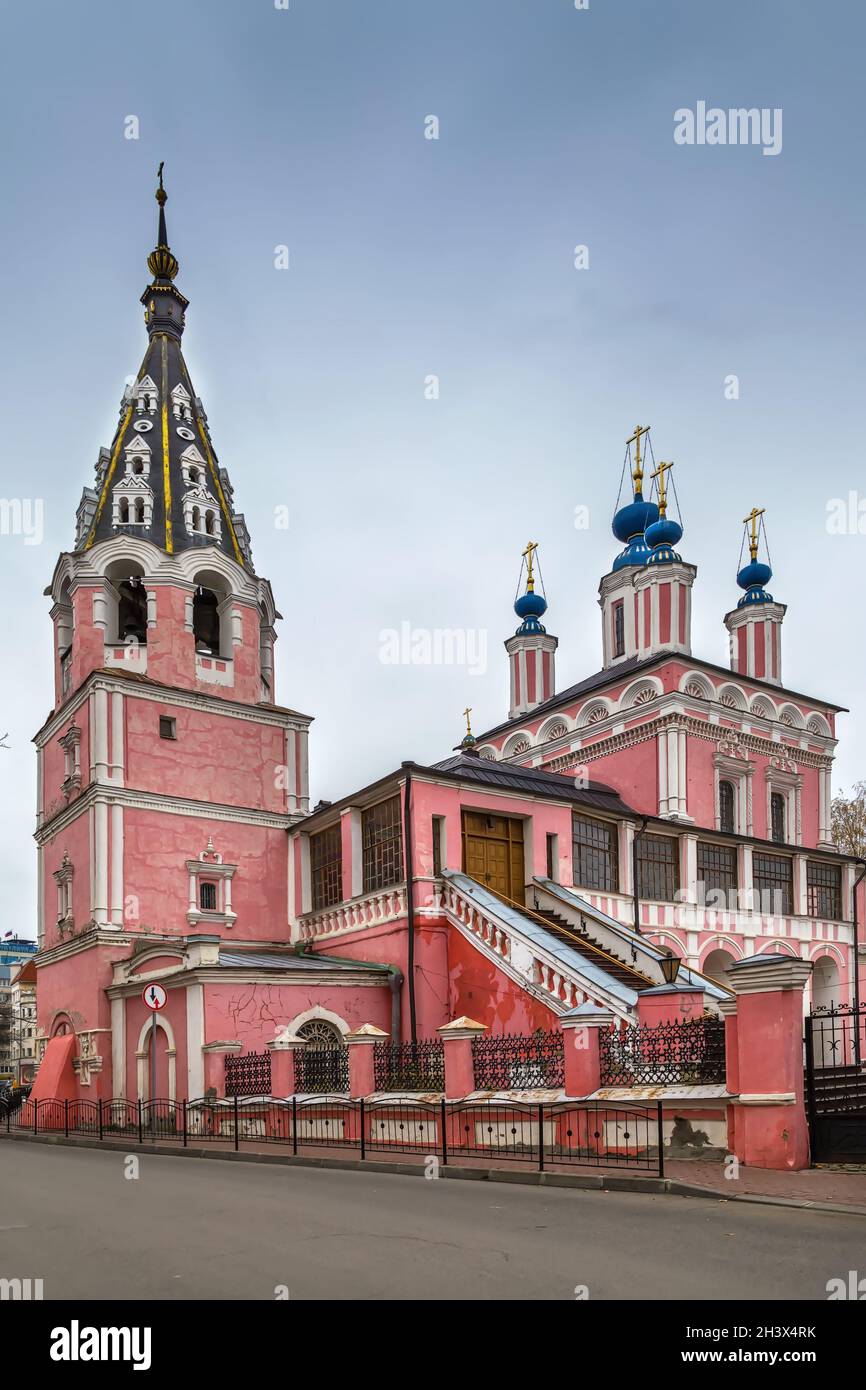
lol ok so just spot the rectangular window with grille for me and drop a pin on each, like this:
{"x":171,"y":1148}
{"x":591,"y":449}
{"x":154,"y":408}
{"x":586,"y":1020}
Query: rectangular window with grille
{"x":658,"y":867}
{"x":326,"y":867}
{"x":773,"y":882}
{"x":382,"y":845}
{"x":824,"y":890}
{"x":717,"y":867}
{"x":595,"y":854}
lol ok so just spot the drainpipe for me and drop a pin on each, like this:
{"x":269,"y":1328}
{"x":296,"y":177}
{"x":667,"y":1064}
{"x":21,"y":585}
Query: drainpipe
{"x":635,"y":839}
{"x":858,"y":880}
{"x":410,"y":904}
{"x":395,"y":984}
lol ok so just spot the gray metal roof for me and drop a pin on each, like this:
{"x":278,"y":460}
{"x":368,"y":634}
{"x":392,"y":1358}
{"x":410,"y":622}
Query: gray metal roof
{"x":279,"y":960}
{"x":486,"y":772}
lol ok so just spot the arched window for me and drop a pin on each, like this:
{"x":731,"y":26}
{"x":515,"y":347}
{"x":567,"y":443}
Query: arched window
{"x":726,"y":807}
{"x":196,"y":519}
{"x":206,"y":622}
{"x":138,"y":465}
{"x":777,"y":818}
{"x":323,"y":1065}
{"x":209,"y":523}
{"x":132,"y":611}
{"x":207,"y":895}
{"x":139,"y":509}
{"x":124,"y":511}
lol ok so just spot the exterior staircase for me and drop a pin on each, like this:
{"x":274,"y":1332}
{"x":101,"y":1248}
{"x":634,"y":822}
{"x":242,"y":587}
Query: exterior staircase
{"x":593,"y":950}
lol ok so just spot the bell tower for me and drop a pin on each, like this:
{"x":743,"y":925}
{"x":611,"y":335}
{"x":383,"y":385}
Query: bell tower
{"x":167,"y":773}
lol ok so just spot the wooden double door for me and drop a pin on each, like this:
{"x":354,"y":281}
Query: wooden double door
{"x":493,"y":853}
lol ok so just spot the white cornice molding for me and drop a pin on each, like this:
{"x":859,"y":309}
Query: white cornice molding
{"x":156,"y":801}
{"x":170,"y":695}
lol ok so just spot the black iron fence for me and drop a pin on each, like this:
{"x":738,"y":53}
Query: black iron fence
{"x":560,"y":1134}
{"x":688,"y":1053}
{"x":518,"y":1062}
{"x":836,"y":1083}
{"x":249,"y":1074}
{"x":322,"y":1070}
{"x":409,"y":1066}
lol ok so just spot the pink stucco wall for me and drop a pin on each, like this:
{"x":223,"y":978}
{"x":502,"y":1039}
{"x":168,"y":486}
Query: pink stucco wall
{"x":156,"y":848}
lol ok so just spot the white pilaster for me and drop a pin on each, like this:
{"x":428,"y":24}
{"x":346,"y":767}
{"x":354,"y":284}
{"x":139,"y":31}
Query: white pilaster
{"x":118,"y":1048}
{"x":195,"y":1039}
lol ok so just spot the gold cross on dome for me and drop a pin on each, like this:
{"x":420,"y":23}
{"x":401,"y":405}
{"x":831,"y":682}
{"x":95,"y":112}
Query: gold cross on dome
{"x":529,"y":556}
{"x":467,"y":712}
{"x":660,"y":472}
{"x":637,"y":471}
{"x":752,"y":522}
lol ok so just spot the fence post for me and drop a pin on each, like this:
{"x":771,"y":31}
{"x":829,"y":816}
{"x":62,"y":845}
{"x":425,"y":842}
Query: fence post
{"x":66,"y":1118}
{"x":140,"y":1123}
{"x":295,"y":1125}
{"x":660,"y":1130}
{"x":36,"y":1117}
{"x":457,"y":1039}
{"x":363,"y":1136}
{"x":443,"y":1121}
{"x":184,"y":1123}
{"x":541,"y":1138}
{"x":236,"y":1123}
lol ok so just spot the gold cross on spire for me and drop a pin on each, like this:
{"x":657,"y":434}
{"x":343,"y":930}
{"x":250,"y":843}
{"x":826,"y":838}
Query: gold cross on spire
{"x":529,"y":556}
{"x":752,"y":522}
{"x":660,"y":472}
{"x":467,"y":712}
{"x":637,"y":471}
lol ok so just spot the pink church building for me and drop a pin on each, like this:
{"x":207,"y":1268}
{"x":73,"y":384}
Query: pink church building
{"x":662,"y":804}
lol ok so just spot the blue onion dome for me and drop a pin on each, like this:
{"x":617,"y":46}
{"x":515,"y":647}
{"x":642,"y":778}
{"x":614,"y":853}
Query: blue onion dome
{"x":633,"y":519}
{"x":661,"y":537}
{"x":629,"y":525}
{"x":752,"y":577}
{"x":530,"y":607}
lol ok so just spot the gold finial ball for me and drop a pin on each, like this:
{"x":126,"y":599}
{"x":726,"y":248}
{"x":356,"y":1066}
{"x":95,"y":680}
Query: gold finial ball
{"x":162,"y":264}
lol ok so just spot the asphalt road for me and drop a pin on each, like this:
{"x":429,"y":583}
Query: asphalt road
{"x":198,"y":1228}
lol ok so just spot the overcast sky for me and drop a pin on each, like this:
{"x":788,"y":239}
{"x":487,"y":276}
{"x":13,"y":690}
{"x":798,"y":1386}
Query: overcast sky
{"x":412,"y":258}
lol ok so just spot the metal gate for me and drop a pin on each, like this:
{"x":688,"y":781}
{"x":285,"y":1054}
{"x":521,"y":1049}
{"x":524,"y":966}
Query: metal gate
{"x":836,"y":1083}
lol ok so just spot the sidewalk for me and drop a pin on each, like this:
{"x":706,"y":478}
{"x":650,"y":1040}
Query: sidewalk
{"x":838,"y":1185}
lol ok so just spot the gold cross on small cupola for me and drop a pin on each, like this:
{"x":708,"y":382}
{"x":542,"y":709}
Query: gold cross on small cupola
{"x":637,"y":471}
{"x":529,"y":557}
{"x":467,"y":713}
{"x":660,"y":472}
{"x":752,"y":522}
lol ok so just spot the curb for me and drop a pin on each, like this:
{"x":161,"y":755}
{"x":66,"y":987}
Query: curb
{"x":593,"y":1182}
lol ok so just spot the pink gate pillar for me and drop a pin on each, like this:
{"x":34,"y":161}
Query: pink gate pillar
{"x":581,"y":1028}
{"x":282,"y":1049}
{"x":770,"y":1126}
{"x":459,"y":1072}
{"x":670,"y":1004}
{"x":728,"y":1010}
{"x":214,"y":1056}
{"x":360,"y":1044}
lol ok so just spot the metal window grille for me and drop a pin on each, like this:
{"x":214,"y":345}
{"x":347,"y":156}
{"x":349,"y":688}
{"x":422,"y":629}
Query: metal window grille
{"x":438,"y":826}
{"x":726,"y":807}
{"x":658,"y":867}
{"x":382,"y":845}
{"x":518,"y":1062}
{"x":687,"y":1053}
{"x":824,"y":890}
{"x":322,"y":1070}
{"x":207,"y":897}
{"x":717,"y":867}
{"x":249,"y":1074}
{"x":326,"y":867}
{"x":772,"y":875}
{"x":409,"y":1066}
{"x":777,"y":818}
{"x":595,"y":854}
